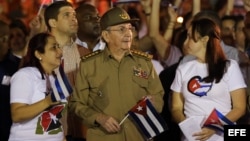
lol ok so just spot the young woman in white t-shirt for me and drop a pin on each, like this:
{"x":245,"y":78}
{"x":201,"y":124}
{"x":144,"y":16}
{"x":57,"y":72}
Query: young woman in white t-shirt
{"x":210,"y":81}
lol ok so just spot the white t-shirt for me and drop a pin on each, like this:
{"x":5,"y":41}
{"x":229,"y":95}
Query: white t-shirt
{"x":27,"y":86}
{"x":201,"y":98}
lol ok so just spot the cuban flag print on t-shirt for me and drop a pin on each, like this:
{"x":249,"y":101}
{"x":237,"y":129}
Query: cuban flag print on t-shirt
{"x":198,"y":87}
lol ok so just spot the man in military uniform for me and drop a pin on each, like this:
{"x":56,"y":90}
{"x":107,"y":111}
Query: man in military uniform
{"x":110,"y":82}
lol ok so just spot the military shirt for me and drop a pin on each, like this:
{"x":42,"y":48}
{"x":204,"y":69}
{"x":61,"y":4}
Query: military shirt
{"x":104,"y":85}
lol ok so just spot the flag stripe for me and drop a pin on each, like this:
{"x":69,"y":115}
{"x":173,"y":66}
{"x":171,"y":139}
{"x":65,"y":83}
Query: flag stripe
{"x":62,"y":81}
{"x":146,"y":129}
{"x":59,"y":90}
{"x":149,"y":118}
{"x":150,"y":124}
{"x":55,"y":94}
{"x":223,"y":119}
{"x":59,"y":81}
{"x":61,"y":87}
{"x":65,"y":81}
{"x":153,"y":120}
{"x":159,"y":122}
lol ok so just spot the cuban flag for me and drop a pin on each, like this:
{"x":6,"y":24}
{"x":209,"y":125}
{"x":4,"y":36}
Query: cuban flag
{"x":217,"y":121}
{"x":147,"y":119}
{"x":61,"y":88}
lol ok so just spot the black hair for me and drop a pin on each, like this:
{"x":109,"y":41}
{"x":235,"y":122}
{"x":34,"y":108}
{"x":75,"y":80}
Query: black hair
{"x":52,"y":11}
{"x":36,"y":43}
{"x":208,"y":14}
{"x":215,"y":57}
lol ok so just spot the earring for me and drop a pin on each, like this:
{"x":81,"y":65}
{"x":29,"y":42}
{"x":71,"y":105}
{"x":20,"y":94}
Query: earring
{"x":40,"y":59}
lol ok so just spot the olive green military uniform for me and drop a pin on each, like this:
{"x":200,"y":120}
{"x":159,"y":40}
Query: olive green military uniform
{"x":107,"y":86}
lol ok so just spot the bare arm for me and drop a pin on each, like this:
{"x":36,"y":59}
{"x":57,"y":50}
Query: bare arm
{"x":22,"y":112}
{"x":230,"y":6}
{"x":177,"y":107}
{"x":177,"y":3}
{"x":146,"y":4}
{"x":36,"y":25}
{"x":161,"y":45}
{"x":171,"y":25}
{"x":143,"y":29}
{"x":238,"y":103}
{"x":196,"y":7}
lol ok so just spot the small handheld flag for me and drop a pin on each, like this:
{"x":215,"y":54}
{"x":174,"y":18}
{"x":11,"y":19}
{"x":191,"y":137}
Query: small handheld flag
{"x":147,"y":119}
{"x":61,"y":88}
{"x":217,"y":120}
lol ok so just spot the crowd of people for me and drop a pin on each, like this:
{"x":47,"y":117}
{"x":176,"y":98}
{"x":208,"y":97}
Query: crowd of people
{"x":134,"y":50}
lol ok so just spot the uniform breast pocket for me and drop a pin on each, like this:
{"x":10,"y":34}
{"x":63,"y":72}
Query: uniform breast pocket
{"x":98,"y":93}
{"x":140,"y":86}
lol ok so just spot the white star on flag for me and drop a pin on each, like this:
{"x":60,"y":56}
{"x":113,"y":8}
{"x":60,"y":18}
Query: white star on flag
{"x":139,"y":108}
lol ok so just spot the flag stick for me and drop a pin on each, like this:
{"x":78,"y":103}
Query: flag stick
{"x":124,"y":119}
{"x":40,"y":8}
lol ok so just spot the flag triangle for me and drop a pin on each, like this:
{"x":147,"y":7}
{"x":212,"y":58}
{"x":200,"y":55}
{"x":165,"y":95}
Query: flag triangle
{"x":213,"y":119}
{"x":140,"y":108}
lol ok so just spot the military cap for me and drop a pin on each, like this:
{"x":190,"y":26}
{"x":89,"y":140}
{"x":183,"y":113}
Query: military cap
{"x":115,"y":16}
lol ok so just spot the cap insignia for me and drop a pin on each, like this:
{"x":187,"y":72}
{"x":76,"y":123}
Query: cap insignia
{"x":124,"y":16}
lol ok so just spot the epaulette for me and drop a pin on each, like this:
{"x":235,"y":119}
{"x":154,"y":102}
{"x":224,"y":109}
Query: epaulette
{"x":142,"y":54}
{"x":91,"y":54}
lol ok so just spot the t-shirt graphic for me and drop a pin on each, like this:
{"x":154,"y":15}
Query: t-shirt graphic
{"x":49,"y":121}
{"x":198,"y":87}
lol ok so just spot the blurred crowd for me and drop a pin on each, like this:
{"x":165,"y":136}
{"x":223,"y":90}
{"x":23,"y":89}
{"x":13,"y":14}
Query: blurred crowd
{"x":28,"y":9}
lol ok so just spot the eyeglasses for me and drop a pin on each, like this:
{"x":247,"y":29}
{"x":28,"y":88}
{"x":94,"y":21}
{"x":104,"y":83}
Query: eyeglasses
{"x":122,"y":29}
{"x":91,"y":18}
{"x":4,"y":39}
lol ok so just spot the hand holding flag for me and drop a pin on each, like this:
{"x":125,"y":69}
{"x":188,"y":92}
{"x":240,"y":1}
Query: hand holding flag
{"x":147,"y":119}
{"x":217,"y":120}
